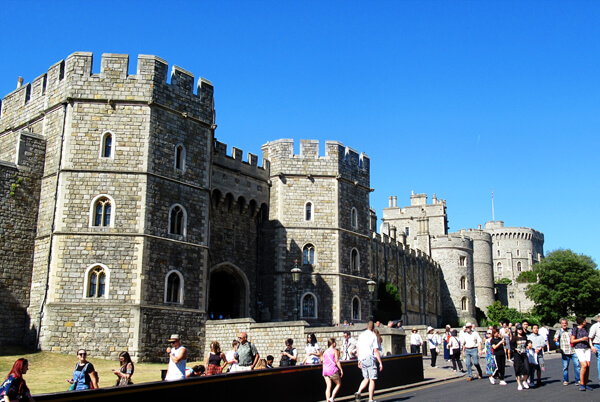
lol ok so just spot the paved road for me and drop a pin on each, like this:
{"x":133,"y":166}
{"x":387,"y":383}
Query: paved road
{"x":461,"y":389}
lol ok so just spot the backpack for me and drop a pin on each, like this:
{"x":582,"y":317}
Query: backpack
{"x":286,"y":361}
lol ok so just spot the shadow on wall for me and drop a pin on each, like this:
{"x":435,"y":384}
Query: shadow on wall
{"x":449,"y":311}
{"x":16,"y":322}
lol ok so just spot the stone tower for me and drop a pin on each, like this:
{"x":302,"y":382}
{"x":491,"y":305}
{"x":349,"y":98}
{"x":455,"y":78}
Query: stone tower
{"x":319,"y":215}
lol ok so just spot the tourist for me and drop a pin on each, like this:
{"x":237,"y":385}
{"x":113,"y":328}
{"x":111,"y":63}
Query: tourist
{"x":498,"y":343}
{"x":538,"y":344}
{"x":454,"y":347}
{"x":214,"y":358}
{"x":177,"y":359}
{"x":447,"y":335}
{"x":332,"y":370}
{"x":595,"y":342}
{"x":415,"y":341}
{"x":231,"y":357}
{"x":490,"y":363}
{"x":532,"y":357}
{"x":379,"y":340}
{"x":562,"y":338}
{"x":545,"y":332}
{"x":261,"y":364}
{"x":247,"y":353}
{"x":472,"y":347}
{"x":84,"y":375}
{"x":270,"y":359}
{"x":368,"y":358}
{"x":580,"y":338}
{"x":433,"y":340}
{"x":312,"y":349}
{"x":525,"y":325}
{"x":125,"y":372}
{"x":506,"y":333}
{"x":14,"y":387}
{"x":289,"y":356}
{"x":348,"y":347}
{"x":196,"y":371}
{"x":521,"y":366}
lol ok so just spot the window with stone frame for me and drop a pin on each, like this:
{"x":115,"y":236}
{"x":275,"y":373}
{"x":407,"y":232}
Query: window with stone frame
{"x":173,"y":287}
{"x":180,"y":154}
{"x":106,"y":145}
{"x":499,"y":268}
{"x":309,"y":306}
{"x":308,"y":254}
{"x":462,"y":261}
{"x":354,"y":261}
{"x":354,"y":218}
{"x":308,"y":211}
{"x":177,"y":220}
{"x":464,"y":304}
{"x":96,"y":282}
{"x":102,"y":211}
{"x":463,"y":283}
{"x":519,"y":266}
{"x":355,"y":308}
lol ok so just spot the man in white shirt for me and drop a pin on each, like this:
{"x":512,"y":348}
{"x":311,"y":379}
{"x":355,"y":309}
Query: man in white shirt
{"x":415,"y":341}
{"x":348,"y":347}
{"x":368,"y":357}
{"x":471,"y":344}
{"x":538,"y":342}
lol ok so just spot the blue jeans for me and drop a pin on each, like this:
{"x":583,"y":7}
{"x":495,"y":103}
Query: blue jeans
{"x":472,"y":357}
{"x":597,"y":346}
{"x":576,"y":366}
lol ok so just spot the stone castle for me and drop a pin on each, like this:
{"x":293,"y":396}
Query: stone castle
{"x":124,"y":220}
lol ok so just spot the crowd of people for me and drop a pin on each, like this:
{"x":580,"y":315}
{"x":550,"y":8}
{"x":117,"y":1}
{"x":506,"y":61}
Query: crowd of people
{"x":521,"y":344}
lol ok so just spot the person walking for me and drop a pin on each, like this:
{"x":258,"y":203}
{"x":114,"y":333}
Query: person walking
{"x":125,"y":372}
{"x":490,"y":363}
{"x":247,"y":353}
{"x":433,"y":340}
{"x":595,"y":342}
{"x":213,"y":359}
{"x":447,"y":335}
{"x":14,"y":387}
{"x":177,"y":359}
{"x":472,"y":347}
{"x":497,"y":344}
{"x":415,"y":341}
{"x":368,"y":358}
{"x":521,"y":366}
{"x":454,"y":347}
{"x":312,"y":349}
{"x":84,"y":375}
{"x":538,"y":342}
{"x":231,"y":357}
{"x":332,"y":370}
{"x":580,"y":338}
{"x":562,"y":338}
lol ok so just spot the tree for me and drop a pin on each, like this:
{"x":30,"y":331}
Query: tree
{"x":569,"y":284}
{"x":497,"y":312}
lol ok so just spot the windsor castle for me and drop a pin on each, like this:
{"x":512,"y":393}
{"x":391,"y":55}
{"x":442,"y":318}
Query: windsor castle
{"x":123,"y":220}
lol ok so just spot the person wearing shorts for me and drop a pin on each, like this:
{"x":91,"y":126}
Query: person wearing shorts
{"x":579,"y":338}
{"x":368,"y":358}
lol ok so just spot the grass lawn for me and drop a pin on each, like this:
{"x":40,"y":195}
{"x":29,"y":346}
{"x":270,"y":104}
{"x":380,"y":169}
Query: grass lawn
{"x":48,"y":371}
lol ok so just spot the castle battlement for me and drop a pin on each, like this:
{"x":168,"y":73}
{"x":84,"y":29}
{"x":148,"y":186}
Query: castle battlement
{"x":339,"y":160}
{"x":452,"y":240}
{"x":497,"y":229}
{"x":235,"y":161}
{"x":72,"y":79}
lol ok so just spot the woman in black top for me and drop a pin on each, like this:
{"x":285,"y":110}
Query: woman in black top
{"x":521,"y":365}
{"x":498,"y":342}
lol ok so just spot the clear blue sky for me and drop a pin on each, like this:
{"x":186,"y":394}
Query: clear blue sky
{"x":446,"y":97}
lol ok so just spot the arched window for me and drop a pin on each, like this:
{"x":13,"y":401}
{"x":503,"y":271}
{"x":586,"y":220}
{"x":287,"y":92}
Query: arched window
{"x":309,"y":306}
{"x":308,"y":254}
{"x":180,"y":157}
{"x":354,"y":218}
{"x":355,"y":261}
{"x":463,"y":283}
{"x":106,"y":145}
{"x":177,"y":220}
{"x":355,"y":308}
{"x":499,"y":268}
{"x":464,"y":304}
{"x":102,"y":211}
{"x":308,"y":211}
{"x":96,"y":281}
{"x":173,"y":287}
{"x":519,"y":266}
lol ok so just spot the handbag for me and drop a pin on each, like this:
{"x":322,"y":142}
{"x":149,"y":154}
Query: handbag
{"x":73,"y":386}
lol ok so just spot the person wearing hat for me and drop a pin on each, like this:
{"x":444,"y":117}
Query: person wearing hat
{"x":433,"y":340}
{"x":415,"y":341}
{"x":177,"y":359}
{"x":472,"y":347}
{"x":595,"y":341}
{"x":446,"y":339}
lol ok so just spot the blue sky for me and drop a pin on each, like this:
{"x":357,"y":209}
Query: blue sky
{"x":447,"y":97}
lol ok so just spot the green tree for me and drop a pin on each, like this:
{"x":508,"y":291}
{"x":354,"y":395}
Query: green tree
{"x":389,"y":306}
{"x":569,"y":284}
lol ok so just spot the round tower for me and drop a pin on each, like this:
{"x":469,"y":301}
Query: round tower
{"x":483,"y":269}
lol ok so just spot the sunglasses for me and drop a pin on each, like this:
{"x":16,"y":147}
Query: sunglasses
{"x":82,"y":354}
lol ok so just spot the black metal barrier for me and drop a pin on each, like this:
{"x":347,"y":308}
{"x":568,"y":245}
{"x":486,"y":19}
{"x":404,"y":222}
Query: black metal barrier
{"x":300,"y":383}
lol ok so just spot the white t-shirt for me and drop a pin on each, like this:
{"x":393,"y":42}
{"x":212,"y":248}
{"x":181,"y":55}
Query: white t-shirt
{"x":367,"y":343}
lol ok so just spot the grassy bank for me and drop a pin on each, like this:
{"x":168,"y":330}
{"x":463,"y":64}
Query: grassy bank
{"x":48,"y":371}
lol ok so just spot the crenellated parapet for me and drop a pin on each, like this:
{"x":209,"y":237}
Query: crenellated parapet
{"x":72,"y":80}
{"x":339,"y":161}
{"x":452,"y":241}
{"x":235,"y":162}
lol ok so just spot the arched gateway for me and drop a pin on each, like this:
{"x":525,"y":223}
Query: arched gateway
{"x":228,"y":292}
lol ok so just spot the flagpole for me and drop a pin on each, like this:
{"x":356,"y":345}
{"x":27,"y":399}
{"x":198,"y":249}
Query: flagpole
{"x":493,"y":216}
